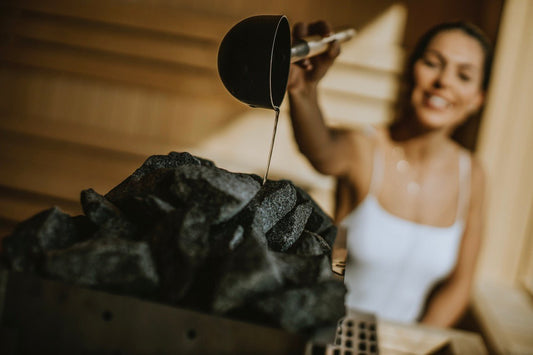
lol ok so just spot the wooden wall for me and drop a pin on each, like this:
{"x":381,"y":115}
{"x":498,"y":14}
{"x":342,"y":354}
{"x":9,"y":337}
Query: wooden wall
{"x":504,"y":293}
{"x":89,"y":89}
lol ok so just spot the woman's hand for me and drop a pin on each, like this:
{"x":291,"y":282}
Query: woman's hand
{"x":306,"y":73}
{"x":330,"y":152}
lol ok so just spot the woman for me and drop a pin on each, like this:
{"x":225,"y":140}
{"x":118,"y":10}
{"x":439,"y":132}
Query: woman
{"x":410,"y":198}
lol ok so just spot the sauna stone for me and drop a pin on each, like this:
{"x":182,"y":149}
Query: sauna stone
{"x":24,"y":249}
{"x":272,"y":203}
{"x":110,"y":264}
{"x":184,"y":232}
{"x":310,"y":244}
{"x":287,"y":231}
{"x":304,"y":309}
{"x":105,"y":215}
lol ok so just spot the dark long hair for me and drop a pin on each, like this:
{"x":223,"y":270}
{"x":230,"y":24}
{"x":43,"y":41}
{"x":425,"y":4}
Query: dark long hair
{"x":465,"y":133}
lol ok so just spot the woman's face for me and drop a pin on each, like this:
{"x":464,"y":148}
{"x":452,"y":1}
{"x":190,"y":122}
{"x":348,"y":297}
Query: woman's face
{"x":448,"y":80}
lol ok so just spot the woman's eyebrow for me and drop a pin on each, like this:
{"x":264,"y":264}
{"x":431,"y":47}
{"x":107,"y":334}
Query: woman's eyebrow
{"x":435,"y":52}
{"x":463,"y":65}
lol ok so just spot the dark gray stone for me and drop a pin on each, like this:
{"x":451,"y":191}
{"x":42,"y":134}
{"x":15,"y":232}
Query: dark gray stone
{"x":182,"y":231}
{"x":153,"y":177}
{"x":272,"y":203}
{"x":170,"y":161}
{"x":297,"y":270}
{"x":111,"y":264}
{"x":304,"y":309}
{"x":319,"y":222}
{"x":146,"y":211}
{"x":225,"y":238}
{"x":220,"y":193}
{"x":50,"y":229}
{"x":310,"y":244}
{"x":153,"y":182}
{"x":329,"y":234}
{"x":84,"y":227}
{"x":155,"y":207}
{"x":107,"y":216}
{"x":180,"y":245}
{"x":251,"y":270}
{"x":287,"y":231}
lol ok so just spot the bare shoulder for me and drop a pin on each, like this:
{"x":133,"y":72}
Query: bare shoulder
{"x":359,"y":139}
{"x":364,"y":137}
{"x":359,"y":145}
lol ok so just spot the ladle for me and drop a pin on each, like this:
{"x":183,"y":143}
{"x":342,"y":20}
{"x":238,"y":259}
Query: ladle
{"x":255,"y":56}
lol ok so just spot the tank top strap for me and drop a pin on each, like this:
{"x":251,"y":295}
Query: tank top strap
{"x":465,"y":171}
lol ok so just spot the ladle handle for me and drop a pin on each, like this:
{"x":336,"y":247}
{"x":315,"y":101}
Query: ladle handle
{"x":314,"y":45}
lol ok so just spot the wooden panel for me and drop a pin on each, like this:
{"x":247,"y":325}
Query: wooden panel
{"x":60,"y":169}
{"x":134,"y":14}
{"x":74,"y":133}
{"x":505,"y":146}
{"x":114,"y":39}
{"x":384,"y":58}
{"x":506,"y":316}
{"x":361,"y":81}
{"x":347,"y":110}
{"x":89,"y":89}
{"x":16,"y":205}
{"x":527,"y":256}
{"x":31,"y":100}
{"x":169,"y":77}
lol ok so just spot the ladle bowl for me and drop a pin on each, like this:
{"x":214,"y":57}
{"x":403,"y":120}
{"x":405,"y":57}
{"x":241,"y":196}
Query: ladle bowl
{"x":254,"y":60}
{"x":255,"y":55}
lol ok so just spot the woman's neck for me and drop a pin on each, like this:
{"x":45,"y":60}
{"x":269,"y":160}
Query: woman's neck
{"x":417,"y":143}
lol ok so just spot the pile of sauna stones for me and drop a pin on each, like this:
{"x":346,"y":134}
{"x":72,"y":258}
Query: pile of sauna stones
{"x":184,"y":232}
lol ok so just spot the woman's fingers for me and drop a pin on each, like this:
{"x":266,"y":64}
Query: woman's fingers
{"x":316,"y":66}
{"x":324,"y":29}
{"x":299,"y":30}
{"x":321,"y":28}
{"x":334,"y":49}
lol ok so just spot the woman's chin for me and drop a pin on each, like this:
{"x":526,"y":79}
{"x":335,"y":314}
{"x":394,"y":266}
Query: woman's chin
{"x":435,"y":120}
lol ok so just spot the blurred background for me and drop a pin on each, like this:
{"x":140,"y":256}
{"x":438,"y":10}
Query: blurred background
{"x":90,"y":89}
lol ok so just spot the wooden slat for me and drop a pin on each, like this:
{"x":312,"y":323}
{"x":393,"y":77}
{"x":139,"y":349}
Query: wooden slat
{"x":379,"y":57}
{"x":95,"y":137}
{"x":197,"y":25}
{"x":60,"y":169}
{"x":17,"y":206}
{"x":506,"y":316}
{"x":505,"y":147}
{"x":351,"y":110}
{"x":162,"y":76}
{"x":114,"y":39}
{"x":165,"y":19}
{"x":361,"y":81}
{"x":33,"y":98}
{"x":527,"y":266}
{"x":348,"y":110}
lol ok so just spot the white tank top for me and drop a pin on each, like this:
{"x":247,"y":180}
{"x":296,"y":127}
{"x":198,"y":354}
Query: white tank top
{"x":393,"y":263}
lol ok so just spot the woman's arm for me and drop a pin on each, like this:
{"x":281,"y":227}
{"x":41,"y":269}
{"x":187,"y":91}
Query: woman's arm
{"x":451,"y":300}
{"x":328,"y":151}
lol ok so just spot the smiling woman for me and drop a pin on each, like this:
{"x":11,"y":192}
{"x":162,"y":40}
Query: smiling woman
{"x":448,"y":79}
{"x":408,"y":196}
{"x":458,"y":54}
